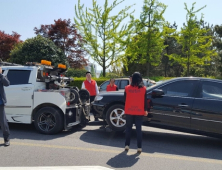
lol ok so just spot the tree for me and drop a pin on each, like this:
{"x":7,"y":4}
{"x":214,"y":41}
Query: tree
{"x":7,"y":42}
{"x":117,"y":71}
{"x":172,"y":48}
{"x":37,"y":49}
{"x":147,"y":42}
{"x":103,"y":32}
{"x":92,"y":71}
{"x":64,"y":34}
{"x":194,"y":41}
{"x":217,"y":43}
{"x":101,"y":74}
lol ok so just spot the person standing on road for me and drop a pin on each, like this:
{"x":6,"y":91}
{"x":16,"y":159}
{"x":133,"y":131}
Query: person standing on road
{"x":135,"y":109}
{"x":3,"y":121}
{"x":91,"y":85}
{"x":111,"y":86}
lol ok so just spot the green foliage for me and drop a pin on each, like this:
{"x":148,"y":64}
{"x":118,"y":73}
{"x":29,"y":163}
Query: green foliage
{"x":135,"y":66}
{"x":159,"y":78}
{"x":78,"y":81}
{"x":37,"y":49}
{"x":101,"y":74}
{"x":217,"y":42}
{"x":112,"y":75}
{"x":147,"y":44}
{"x":93,"y":74}
{"x":71,"y":72}
{"x":170,"y":67}
{"x":115,"y":72}
{"x":103,"y":32}
{"x":195,"y":42}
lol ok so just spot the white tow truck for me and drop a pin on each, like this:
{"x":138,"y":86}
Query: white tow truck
{"x":39,"y":93}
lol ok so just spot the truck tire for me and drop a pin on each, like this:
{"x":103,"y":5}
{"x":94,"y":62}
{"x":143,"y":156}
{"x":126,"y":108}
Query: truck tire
{"x":115,"y":117}
{"x":48,"y":120}
{"x":84,"y":95}
{"x":74,"y":96}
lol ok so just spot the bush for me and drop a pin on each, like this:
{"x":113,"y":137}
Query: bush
{"x":78,"y":81}
{"x":76,"y":72}
{"x":111,"y":75}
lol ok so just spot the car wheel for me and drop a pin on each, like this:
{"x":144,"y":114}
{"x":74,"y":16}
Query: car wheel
{"x":115,"y":117}
{"x":48,"y":120}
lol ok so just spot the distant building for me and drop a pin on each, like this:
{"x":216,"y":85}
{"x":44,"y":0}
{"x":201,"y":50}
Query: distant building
{"x":88,"y":67}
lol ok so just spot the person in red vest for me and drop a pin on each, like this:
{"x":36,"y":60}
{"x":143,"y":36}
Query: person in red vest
{"x":111,"y":86}
{"x":91,"y":85}
{"x":135,"y":109}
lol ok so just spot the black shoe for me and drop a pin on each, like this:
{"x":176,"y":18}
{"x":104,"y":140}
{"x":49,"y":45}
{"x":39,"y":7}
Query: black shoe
{"x":139,"y":151}
{"x":126,"y":148}
{"x":7,"y":142}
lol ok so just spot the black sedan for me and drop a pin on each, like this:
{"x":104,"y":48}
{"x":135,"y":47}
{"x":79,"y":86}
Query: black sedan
{"x":187,"y":104}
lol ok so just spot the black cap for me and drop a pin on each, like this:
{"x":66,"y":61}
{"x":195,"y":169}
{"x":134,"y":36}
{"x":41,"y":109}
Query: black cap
{"x":88,"y":72}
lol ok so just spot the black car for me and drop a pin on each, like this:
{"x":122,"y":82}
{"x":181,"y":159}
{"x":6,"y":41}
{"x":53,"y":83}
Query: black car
{"x":187,"y":104}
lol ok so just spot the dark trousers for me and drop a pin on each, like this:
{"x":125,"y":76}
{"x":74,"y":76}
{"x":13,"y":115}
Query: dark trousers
{"x":130,"y":119}
{"x":4,"y":123}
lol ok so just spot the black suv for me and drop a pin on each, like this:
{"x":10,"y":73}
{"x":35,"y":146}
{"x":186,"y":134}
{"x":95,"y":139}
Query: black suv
{"x":188,"y":104}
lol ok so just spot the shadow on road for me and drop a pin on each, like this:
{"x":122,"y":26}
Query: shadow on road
{"x":153,"y":142}
{"x":28,"y":131}
{"x":123,"y":160}
{"x":160,"y":142}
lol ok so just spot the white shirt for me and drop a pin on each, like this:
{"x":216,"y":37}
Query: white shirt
{"x":97,"y":90}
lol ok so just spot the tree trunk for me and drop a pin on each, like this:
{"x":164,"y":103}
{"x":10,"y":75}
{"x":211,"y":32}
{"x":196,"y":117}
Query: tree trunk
{"x":148,"y":69}
{"x":104,"y":69}
{"x":166,"y":60}
{"x":188,"y":66}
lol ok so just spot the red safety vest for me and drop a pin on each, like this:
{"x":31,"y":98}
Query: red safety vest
{"x":134,"y":100}
{"x":91,"y":87}
{"x":111,"y":88}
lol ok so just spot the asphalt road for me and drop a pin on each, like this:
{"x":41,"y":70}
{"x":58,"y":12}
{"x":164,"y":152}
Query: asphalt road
{"x":90,"y":146}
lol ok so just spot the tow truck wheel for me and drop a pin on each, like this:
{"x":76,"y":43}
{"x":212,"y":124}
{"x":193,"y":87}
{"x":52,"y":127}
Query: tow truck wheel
{"x":84,"y":95}
{"x":74,"y":96}
{"x":48,"y":120}
{"x":115,"y":117}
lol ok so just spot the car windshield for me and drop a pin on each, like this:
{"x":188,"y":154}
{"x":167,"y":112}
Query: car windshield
{"x":157,"y":84}
{"x":150,"y":87}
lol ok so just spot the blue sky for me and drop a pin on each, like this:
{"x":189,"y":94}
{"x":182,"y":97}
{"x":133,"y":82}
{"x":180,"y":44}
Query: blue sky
{"x":22,"y":16}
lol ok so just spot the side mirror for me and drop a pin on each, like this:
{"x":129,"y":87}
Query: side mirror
{"x":157,"y":93}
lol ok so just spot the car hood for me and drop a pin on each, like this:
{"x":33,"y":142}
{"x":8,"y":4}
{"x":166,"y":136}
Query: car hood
{"x":115,"y":93}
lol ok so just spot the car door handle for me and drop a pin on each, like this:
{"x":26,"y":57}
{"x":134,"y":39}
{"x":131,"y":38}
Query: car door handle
{"x":183,"y":105}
